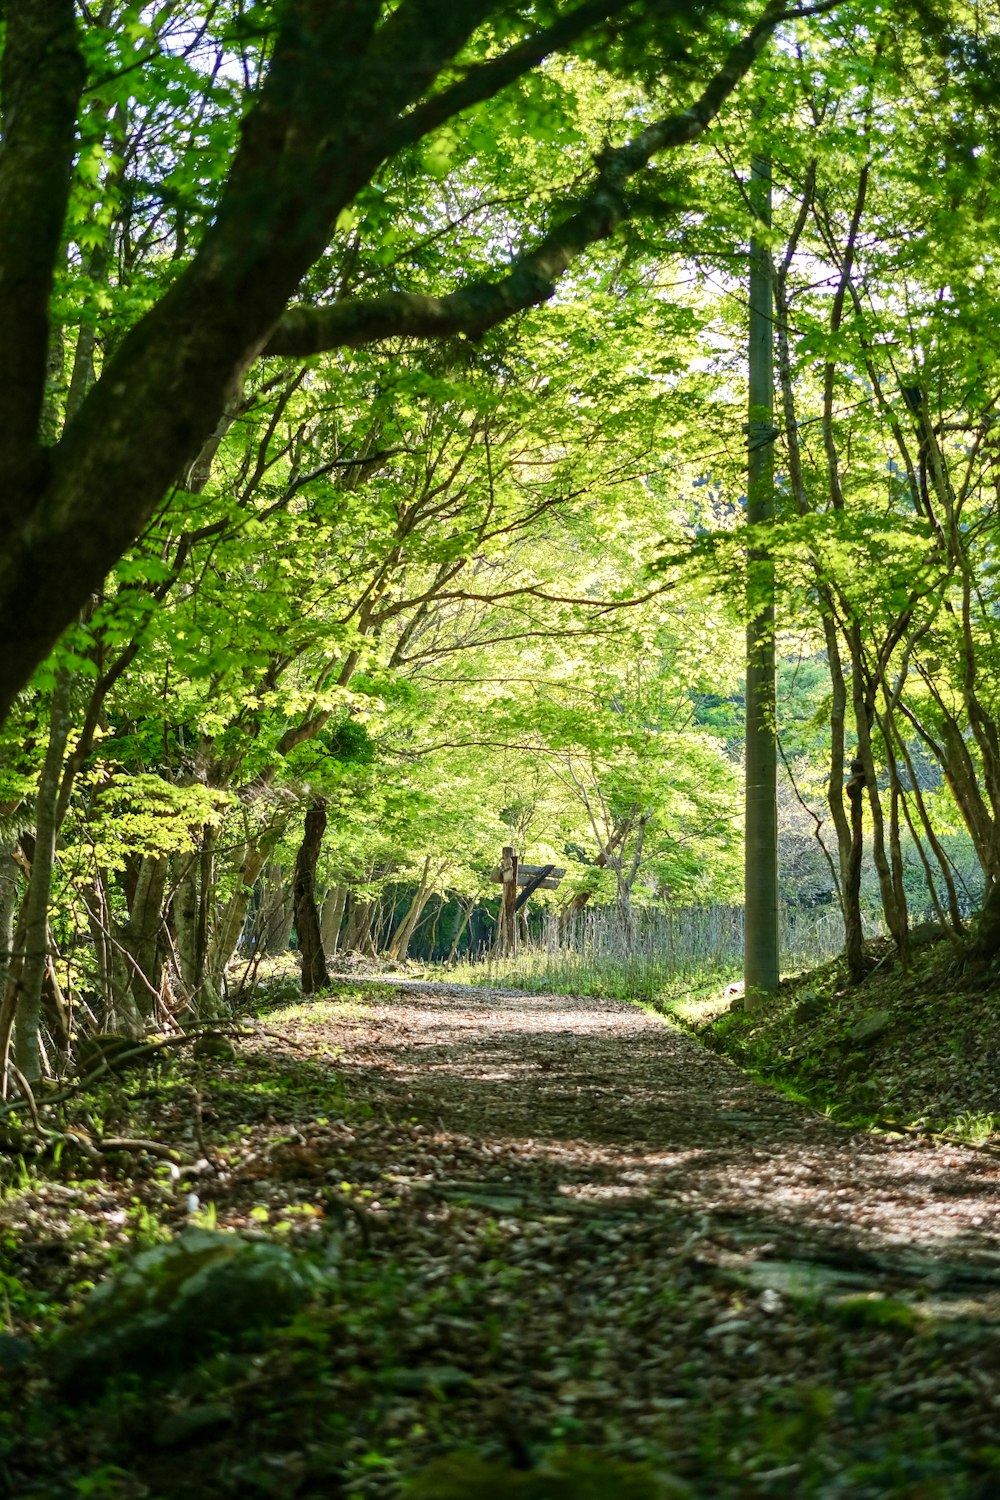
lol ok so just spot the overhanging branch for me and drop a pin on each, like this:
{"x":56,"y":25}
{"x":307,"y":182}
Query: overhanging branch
{"x":532,"y":278}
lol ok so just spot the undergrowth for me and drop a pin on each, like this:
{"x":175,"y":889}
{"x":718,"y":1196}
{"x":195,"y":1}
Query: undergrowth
{"x":913,"y":1048}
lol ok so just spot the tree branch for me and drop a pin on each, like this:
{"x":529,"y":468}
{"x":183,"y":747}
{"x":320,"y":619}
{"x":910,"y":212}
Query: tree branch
{"x":489,"y":78}
{"x":532,"y":278}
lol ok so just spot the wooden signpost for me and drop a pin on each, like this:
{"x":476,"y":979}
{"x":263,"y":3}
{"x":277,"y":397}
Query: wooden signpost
{"x":511,"y":875}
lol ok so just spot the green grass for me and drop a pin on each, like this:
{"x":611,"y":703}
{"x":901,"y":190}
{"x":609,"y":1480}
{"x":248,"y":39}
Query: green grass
{"x":661,"y":982}
{"x":975,"y":1127}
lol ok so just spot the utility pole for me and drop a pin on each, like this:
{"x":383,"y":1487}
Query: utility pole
{"x":760,"y":960}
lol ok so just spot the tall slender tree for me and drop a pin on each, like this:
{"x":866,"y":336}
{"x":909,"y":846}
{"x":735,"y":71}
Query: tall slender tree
{"x":761,"y":883}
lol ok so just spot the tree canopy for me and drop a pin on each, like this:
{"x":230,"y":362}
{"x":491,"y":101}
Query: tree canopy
{"x":206,"y":170}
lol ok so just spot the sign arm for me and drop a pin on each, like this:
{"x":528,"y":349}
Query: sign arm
{"x":532,"y":886}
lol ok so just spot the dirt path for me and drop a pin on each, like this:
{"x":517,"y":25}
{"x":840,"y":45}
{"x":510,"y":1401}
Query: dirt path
{"x":635,"y":1248}
{"x":542,"y":1222}
{"x":610,"y":1105}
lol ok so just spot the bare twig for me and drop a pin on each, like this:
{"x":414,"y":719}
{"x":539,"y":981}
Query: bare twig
{"x":126,"y":1143}
{"x":28,"y":1099}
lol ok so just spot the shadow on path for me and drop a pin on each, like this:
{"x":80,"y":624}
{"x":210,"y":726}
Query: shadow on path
{"x":575,"y":1106}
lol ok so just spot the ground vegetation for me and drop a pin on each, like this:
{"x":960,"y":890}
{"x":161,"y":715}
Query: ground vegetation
{"x":523,"y":1244}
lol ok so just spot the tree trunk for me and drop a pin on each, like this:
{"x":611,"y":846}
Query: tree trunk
{"x":963,"y":783}
{"x":986,"y":944}
{"x":897,"y":871}
{"x":230,"y":922}
{"x":273,"y":922}
{"x":954,"y":910}
{"x":307,"y":926}
{"x":460,"y":931}
{"x":432,"y":937}
{"x":28,"y":1015}
{"x":761,"y":960}
{"x":357,"y":935}
{"x":401,"y":938}
{"x":117,"y":1007}
{"x":8,"y":1006}
{"x":853,"y":934}
{"x":8,"y":906}
{"x":580,"y":900}
{"x":190,"y":909}
{"x":332,"y":917}
{"x":864,"y":713}
{"x":141,"y":944}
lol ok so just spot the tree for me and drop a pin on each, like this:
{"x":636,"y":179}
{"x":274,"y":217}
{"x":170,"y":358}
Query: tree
{"x":886,"y":505}
{"x":334,"y":92}
{"x":761,"y":958}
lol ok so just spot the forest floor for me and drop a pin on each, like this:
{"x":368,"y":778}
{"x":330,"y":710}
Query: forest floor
{"x":554,"y":1238}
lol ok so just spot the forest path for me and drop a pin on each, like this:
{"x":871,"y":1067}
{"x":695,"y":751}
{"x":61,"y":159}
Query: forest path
{"x":542,"y":1222}
{"x":604,"y":1234}
{"x":574,"y":1104}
